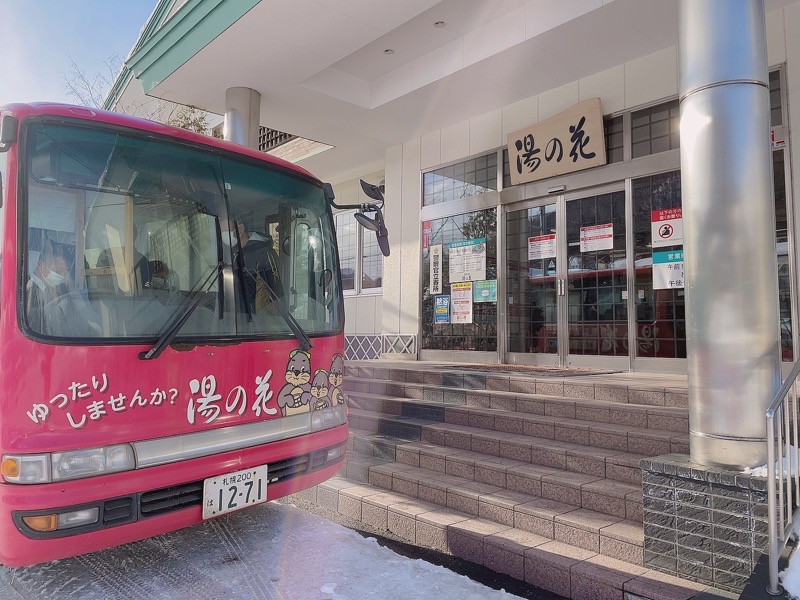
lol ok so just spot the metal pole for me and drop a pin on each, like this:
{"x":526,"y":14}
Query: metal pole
{"x":731,"y":278}
{"x":242,"y":114}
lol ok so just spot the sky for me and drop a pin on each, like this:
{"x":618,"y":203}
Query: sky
{"x":40,"y":36}
{"x":267,"y":552}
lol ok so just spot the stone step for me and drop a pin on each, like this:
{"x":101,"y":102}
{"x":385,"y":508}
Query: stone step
{"x":542,"y":410}
{"x":550,"y":563}
{"x":417,"y":380}
{"x":615,"y":498}
{"x":613,"y":454}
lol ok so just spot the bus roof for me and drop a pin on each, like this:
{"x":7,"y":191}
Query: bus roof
{"x":23,"y":110}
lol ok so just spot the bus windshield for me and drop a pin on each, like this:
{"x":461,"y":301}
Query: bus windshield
{"x":124,"y":232}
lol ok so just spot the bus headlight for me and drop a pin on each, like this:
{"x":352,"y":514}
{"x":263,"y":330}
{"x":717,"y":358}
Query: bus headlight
{"x":61,"y":466}
{"x":85,"y":463}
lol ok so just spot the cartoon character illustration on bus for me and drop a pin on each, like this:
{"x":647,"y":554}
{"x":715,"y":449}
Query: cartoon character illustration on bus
{"x":295,"y":396}
{"x":319,"y":390}
{"x":336,"y":378}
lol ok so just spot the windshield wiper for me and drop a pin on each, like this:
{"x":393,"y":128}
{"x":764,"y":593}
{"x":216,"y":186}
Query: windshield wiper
{"x":192,"y":301}
{"x":297,"y":330}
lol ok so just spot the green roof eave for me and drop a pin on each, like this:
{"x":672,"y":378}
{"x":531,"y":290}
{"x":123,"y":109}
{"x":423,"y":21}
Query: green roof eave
{"x":124,"y":76}
{"x":196,"y":24}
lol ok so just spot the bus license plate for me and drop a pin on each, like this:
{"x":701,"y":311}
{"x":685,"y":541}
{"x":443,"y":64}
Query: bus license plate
{"x":233,"y":491}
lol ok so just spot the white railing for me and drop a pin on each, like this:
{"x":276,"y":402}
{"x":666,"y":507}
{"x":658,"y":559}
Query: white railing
{"x":783,"y":474}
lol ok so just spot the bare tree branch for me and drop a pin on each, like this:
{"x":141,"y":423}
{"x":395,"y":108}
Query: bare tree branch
{"x":90,"y":90}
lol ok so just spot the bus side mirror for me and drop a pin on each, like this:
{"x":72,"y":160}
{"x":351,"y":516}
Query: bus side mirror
{"x":8,"y":132}
{"x":377,"y":225}
{"x":374,"y":192}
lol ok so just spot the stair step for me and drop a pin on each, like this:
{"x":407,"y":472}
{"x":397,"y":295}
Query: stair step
{"x":590,"y":569}
{"x":614,"y":453}
{"x":536,"y":409}
{"x":534,"y":476}
{"x":436,"y":386}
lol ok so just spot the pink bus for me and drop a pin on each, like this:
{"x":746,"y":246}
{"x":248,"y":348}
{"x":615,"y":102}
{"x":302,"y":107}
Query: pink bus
{"x":171,"y":330}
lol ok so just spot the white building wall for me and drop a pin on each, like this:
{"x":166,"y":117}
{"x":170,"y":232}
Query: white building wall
{"x":406,"y":213}
{"x":363,"y":312}
{"x":647,"y":80}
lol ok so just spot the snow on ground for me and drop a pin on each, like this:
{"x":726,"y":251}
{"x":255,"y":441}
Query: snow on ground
{"x":273,"y":551}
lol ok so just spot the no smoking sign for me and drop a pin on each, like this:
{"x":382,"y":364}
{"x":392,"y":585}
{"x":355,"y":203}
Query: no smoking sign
{"x":667,"y":227}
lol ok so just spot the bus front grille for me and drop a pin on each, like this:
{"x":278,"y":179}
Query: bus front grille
{"x":118,"y":510}
{"x":164,"y":500}
{"x":156,"y":502}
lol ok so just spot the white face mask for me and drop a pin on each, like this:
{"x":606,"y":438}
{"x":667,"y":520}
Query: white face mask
{"x":157,"y":283}
{"x":53,"y":279}
{"x":230,"y":239}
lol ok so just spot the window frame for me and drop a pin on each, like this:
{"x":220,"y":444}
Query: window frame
{"x":358,"y":268}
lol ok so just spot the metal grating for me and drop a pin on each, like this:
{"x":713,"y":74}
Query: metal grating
{"x":372,"y":346}
{"x":269,"y":139}
{"x":399,"y":343}
{"x":363,"y":347}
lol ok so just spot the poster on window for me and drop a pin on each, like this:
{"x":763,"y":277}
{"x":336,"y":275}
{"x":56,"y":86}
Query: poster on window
{"x":668,"y":270}
{"x":436,"y":269}
{"x":666,"y":225}
{"x":461,"y":302}
{"x":467,"y":260}
{"x":484,"y":291}
{"x":542,"y":246}
{"x":426,"y":234}
{"x":597,"y":237}
{"x":441,"y":309}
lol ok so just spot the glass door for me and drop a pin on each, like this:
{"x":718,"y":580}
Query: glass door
{"x":532,"y":284}
{"x":567,"y":282}
{"x":596,"y":280}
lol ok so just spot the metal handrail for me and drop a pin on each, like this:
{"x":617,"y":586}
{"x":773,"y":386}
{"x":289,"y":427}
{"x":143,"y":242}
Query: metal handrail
{"x":783,"y":489}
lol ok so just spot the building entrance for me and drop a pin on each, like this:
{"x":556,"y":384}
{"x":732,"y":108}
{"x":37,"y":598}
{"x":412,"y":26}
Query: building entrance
{"x":568,"y":297}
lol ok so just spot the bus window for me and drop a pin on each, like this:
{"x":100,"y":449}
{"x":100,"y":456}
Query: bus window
{"x":118,"y":203}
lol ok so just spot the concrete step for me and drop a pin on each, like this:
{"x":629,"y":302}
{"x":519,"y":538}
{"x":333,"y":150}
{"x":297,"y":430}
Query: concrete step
{"x":555,"y":457}
{"x":617,"y":499}
{"x":484,"y":404}
{"x":419,"y":378}
{"x":553,"y":563}
{"x":613,"y":453}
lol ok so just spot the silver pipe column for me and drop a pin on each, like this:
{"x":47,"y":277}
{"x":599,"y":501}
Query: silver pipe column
{"x":733,"y":340}
{"x":242,"y":114}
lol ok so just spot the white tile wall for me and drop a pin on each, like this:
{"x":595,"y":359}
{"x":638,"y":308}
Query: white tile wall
{"x":431,"y":155}
{"x":608,"y":85}
{"x":651,"y":78}
{"x":558,"y":99}
{"x":485,"y":132}
{"x":520,"y":115}
{"x":455,"y":142}
{"x":776,"y":38}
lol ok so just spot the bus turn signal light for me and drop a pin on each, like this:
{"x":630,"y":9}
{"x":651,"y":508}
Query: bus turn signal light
{"x":42,"y":522}
{"x":9,"y":468}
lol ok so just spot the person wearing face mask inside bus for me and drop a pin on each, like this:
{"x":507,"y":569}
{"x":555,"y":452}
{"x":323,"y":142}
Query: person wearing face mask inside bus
{"x":48,"y":281}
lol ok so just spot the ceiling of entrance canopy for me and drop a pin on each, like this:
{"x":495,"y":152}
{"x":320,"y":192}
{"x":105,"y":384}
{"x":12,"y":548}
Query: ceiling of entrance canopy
{"x":366,"y":75}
